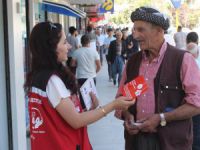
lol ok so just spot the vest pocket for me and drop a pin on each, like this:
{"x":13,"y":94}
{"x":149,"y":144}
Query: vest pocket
{"x":169,"y":87}
{"x":171,"y":96}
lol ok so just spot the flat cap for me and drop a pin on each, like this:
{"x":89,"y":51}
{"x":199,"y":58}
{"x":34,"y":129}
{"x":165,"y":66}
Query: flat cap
{"x":151,"y":15}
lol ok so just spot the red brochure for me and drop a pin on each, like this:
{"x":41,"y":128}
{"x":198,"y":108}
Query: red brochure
{"x":135,"y":87}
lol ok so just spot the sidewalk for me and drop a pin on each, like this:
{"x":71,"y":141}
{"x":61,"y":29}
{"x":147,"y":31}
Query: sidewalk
{"x":107,"y":133}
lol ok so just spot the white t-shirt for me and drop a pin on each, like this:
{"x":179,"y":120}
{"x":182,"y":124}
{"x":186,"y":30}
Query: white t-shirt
{"x":100,"y":39}
{"x":180,"y":40}
{"x":93,"y":45}
{"x":56,"y":90}
{"x":86,"y":62}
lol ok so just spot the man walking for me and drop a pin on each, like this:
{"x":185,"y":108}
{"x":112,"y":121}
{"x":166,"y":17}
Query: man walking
{"x":116,"y":57}
{"x":87,"y":62}
{"x":180,"y":38}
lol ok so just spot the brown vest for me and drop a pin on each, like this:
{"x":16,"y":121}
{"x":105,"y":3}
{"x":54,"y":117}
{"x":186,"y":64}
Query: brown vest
{"x":169,"y":95}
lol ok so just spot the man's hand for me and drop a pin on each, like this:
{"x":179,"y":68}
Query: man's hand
{"x":150,"y":124}
{"x":129,"y":118}
{"x":130,"y":128}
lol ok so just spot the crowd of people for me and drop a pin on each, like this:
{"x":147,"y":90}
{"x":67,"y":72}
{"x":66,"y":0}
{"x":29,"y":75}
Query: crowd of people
{"x":114,"y":45}
{"x":165,"y":117}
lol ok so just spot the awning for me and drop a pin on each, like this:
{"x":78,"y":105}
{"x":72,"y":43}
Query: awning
{"x":86,"y":2}
{"x":62,"y":9}
{"x":96,"y":19}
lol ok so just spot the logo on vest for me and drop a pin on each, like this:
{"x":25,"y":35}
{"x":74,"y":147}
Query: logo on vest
{"x":36,"y":119}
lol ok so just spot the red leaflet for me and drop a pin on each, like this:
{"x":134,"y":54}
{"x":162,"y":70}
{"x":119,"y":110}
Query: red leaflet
{"x":135,"y":87}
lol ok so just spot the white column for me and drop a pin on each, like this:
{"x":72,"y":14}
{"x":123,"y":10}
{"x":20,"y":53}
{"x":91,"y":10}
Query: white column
{"x":16,"y":75}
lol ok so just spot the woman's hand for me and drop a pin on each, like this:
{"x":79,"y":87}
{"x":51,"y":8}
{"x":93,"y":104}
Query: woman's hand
{"x":95,"y":101}
{"x":123,"y":102}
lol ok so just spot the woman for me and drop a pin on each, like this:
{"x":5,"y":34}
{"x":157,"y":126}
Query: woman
{"x":56,"y":118}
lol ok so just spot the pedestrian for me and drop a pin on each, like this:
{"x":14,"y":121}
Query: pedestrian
{"x":73,"y":41}
{"x":192,"y":37}
{"x":163,"y":114}
{"x":57,"y":121}
{"x":116,"y":57}
{"x":194,"y":50}
{"x":192,"y":41}
{"x":87,"y":63}
{"x":99,"y":43}
{"x":107,"y":41}
{"x":180,"y":38}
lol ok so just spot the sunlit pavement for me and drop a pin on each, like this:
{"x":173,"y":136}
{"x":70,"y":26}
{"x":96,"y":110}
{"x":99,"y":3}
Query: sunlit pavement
{"x":107,"y":133}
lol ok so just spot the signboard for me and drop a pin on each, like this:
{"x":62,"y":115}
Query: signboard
{"x":176,"y":3}
{"x":107,"y":6}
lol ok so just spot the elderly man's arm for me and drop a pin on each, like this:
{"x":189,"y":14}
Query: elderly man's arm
{"x":190,"y":77}
{"x":183,"y":112}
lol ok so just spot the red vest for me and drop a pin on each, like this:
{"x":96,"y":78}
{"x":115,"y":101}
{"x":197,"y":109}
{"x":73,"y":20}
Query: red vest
{"x":49,"y":131}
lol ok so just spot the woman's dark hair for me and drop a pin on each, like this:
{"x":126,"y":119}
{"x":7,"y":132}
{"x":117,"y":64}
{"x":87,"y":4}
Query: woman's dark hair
{"x":192,"y":37}
{"x":85,"y":39}
{"x":43,"y":43}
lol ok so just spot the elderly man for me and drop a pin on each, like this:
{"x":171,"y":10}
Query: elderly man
{"x":164,"y":112}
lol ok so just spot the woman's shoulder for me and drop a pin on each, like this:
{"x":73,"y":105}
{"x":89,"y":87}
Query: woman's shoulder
{"x":56,"y":82}
{"x":56,"y":79}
